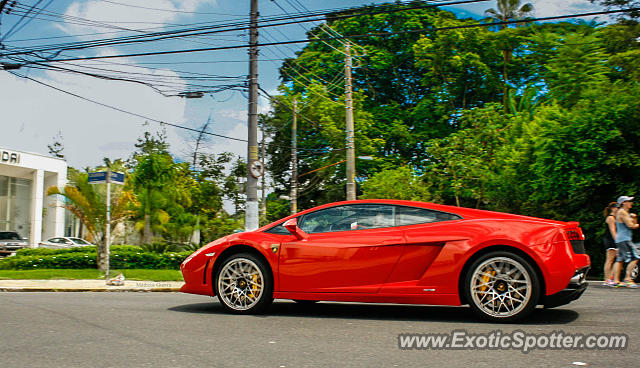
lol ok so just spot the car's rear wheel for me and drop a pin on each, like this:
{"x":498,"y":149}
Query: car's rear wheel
{"x":502,"y":287}
{"x":243,"y":284}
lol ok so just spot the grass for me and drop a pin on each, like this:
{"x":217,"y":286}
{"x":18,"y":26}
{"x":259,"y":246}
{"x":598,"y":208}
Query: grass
{"x":88,"y":274}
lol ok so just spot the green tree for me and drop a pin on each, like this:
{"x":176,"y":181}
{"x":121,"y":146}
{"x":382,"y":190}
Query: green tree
{"x":508,"y":10}
{"x":87,"y":202}
{"x":578,"y":66}
{"x":463,"y":166}
{"x":154,"y":174}
{"x":396,"y":183}
{"x":234,"y":187}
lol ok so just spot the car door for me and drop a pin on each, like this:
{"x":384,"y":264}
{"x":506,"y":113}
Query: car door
{"x":426,"y":232}
{"x":349,"y":249}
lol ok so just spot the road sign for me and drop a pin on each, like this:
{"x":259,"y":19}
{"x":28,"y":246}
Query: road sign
{"x":257,"y":168}
{"x":117,"y":178}
{"x":100,"y":177}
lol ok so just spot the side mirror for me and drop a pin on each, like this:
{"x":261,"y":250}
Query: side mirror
{"x":292,"y":226}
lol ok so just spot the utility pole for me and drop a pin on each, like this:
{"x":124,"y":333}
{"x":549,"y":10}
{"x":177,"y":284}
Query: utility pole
{"x":350,"y":140}
{"x":251,"y":213}
{"x":3,"y":3}
{"x":294,"y":159}
{"x":263,"y":156}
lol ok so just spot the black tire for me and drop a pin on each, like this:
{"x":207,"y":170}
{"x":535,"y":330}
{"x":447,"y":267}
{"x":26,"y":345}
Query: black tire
{"x":238,"y":294}
{"x":501,"y":287}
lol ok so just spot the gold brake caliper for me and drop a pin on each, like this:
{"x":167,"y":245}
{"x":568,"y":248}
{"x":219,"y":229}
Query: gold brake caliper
{"x":485,"y":279}
{"x":254,"y":286}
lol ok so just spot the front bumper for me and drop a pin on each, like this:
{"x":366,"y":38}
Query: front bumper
{"x":573,"y":291}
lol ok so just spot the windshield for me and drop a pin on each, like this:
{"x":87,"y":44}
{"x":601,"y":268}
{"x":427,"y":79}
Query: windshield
{"x":9,"y":235}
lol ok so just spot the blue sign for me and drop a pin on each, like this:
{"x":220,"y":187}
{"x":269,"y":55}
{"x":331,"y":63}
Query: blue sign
{"x":117,"y":177}
{"x":100,"y":177}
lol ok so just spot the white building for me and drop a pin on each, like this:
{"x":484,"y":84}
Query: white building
{"x":24,"y":205}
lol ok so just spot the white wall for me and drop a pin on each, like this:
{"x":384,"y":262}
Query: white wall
{"x":43,"y":171}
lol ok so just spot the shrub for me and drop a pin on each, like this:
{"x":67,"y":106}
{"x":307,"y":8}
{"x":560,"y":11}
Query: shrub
{"x":122,"y":257}
{"x":160,"y":247}
{"x":48,"y":252}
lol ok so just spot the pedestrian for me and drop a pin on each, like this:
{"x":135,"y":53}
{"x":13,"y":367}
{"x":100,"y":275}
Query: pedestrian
{"x":609,"y":241}
{"x":625,"y":222}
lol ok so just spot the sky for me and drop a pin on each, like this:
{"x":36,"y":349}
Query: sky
{"x":33,"y":113}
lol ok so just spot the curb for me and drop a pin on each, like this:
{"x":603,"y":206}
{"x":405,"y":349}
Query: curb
{"x":74,"y":290}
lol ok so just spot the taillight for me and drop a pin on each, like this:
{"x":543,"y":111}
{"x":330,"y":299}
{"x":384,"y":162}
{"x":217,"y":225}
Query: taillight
{"x":574,"y":235}
{"x":576,"y":238}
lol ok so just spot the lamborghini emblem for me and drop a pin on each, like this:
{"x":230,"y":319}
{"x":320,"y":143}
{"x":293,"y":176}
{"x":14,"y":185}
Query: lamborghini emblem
{"x":274,"y":248}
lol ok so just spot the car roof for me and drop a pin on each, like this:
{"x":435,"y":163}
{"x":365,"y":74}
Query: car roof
{"x":465,"y":213}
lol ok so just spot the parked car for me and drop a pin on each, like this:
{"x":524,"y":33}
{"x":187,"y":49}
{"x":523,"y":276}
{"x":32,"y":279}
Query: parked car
{"x":390,"y":251}
{"x":63,"y":242}
{"x":10,"y":242}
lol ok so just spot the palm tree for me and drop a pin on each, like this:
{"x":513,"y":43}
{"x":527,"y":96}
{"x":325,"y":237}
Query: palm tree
{"x":87,"y":203}
{"x":508,"y":10}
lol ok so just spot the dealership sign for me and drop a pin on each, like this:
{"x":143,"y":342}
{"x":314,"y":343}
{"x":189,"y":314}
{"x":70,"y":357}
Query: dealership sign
{"x":8,"y":157}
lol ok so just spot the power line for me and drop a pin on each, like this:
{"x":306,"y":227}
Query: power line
{"x":168,"y":10}
{"x":380,"y":34}
{"x":141,"y":34}
{"x":26,"y":23}
{"x":122,"y":110}
{"x":17,"y":23}
{"x":215,"y":29}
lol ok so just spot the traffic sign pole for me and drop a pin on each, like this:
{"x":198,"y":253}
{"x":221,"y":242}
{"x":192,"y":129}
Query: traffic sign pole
{"x":108,"y":231}
{"x":107,"y":177}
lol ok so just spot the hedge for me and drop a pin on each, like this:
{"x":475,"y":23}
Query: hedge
{"x":122,"y":257}
{"x":88,"y":249}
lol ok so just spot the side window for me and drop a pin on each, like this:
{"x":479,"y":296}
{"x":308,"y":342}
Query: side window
{"x":346,"y":218}
{"x":329,"y":220}
{"x":375,"y":216}
{"x":413,"y":216}
{"x":278,"y":229}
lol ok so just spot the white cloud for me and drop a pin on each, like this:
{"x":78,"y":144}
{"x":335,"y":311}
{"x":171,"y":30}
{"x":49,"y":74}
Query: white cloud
{"x":542,"y":8}
{"x":33,"y":114}
{"x":133,"y":16}
{"x":549,"y":8}
{"x":239,"y":115}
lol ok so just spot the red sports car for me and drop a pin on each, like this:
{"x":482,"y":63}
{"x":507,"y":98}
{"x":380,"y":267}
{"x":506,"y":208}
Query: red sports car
{"x":390,"y":251}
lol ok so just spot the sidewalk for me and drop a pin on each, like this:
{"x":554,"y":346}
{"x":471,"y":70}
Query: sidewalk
{"x":89,"y":285}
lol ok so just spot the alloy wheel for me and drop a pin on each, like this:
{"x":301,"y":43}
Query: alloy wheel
{"x":501,"y":287}
{"x":240,"y":284}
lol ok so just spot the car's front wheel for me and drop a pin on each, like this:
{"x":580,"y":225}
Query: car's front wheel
{"x":243,"y":284}
{"x":502,"y":287}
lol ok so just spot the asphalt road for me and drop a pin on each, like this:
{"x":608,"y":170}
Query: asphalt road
{"x":180,"y":330}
